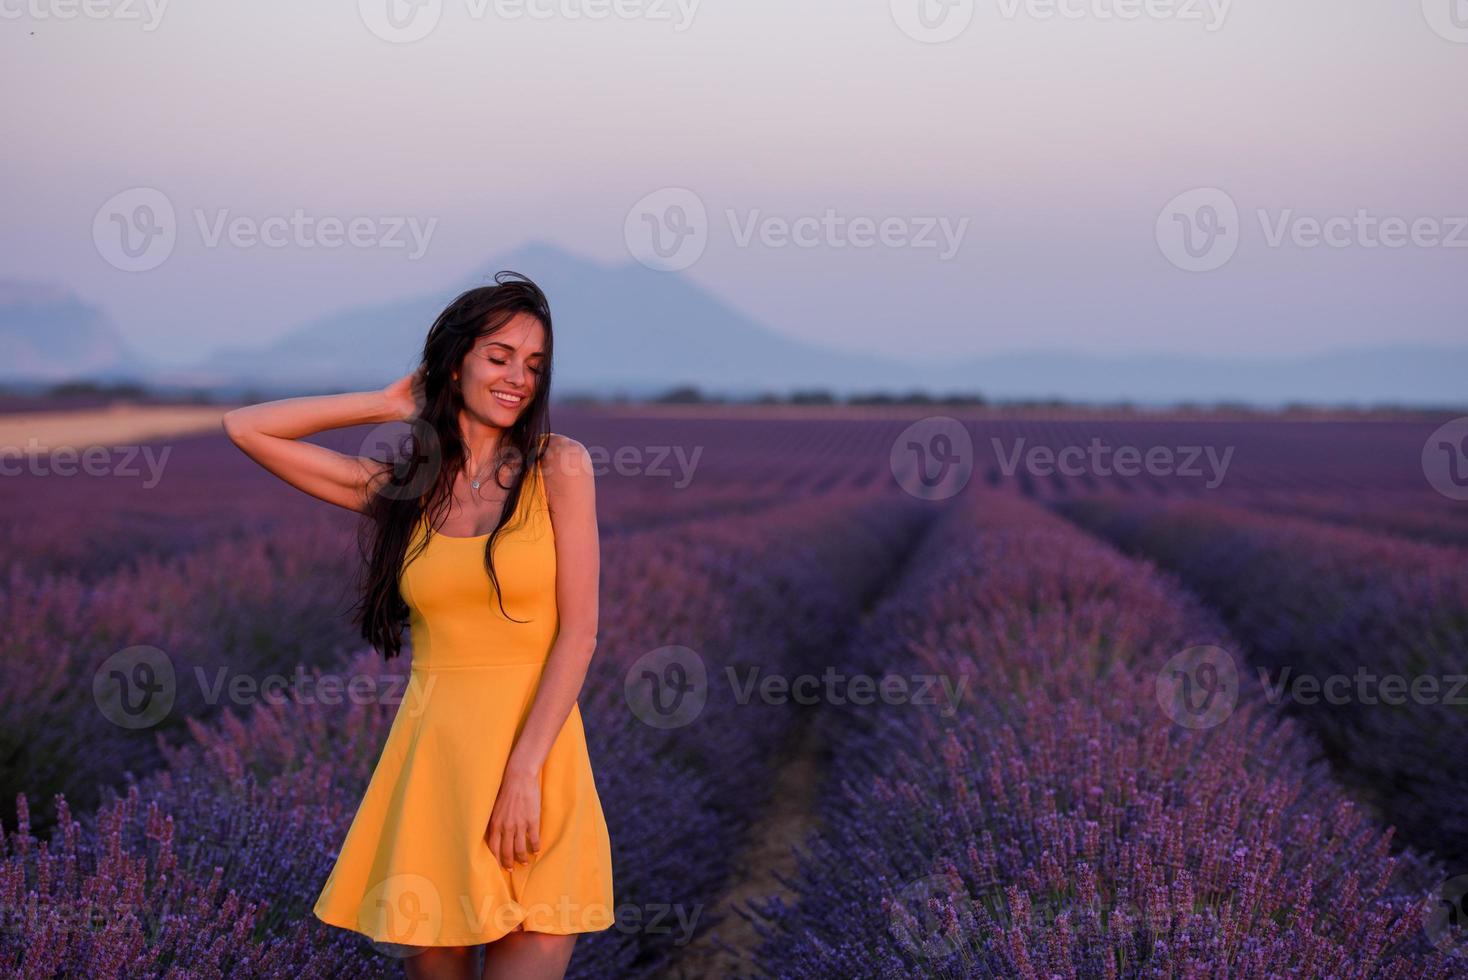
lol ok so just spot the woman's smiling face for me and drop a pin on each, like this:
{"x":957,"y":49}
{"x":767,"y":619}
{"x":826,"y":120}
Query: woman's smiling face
{"x":501,"y":372}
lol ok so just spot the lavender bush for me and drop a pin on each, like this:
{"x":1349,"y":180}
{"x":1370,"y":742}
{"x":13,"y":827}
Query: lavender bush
{"x":1324,"y":601}
{"x":1060,"y":823}
{"x":235,"y":607}
{"x":1422,"y":515}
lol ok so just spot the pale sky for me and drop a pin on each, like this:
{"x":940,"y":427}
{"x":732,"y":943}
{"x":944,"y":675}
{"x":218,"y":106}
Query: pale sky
{"x":1053,"y":142}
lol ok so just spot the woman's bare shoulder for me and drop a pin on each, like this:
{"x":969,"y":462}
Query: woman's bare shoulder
{"x":566,"y":464}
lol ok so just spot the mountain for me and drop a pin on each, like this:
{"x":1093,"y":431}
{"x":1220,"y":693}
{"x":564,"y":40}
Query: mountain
{"x":618,"y":328}
{"x":47,"y":333}
{"x":627,"y":329}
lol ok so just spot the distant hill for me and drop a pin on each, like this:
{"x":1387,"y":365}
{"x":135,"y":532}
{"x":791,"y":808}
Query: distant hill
{"x":626,"y":329}
{"x":48,"y":333}
{"x":618,"y":328}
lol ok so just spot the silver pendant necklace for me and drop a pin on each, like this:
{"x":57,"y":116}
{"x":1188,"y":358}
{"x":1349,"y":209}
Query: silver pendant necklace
{"x":475,"y":481}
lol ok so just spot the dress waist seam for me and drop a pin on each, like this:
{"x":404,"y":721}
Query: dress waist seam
{"x":435,"y":667}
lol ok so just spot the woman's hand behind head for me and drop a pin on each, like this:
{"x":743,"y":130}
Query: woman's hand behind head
{"x":405,"y":397}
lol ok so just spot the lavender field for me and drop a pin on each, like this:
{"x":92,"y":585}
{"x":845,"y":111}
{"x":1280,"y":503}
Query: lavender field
{"x":1021,"y":695}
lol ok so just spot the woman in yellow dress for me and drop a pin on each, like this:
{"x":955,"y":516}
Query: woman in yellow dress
{"x":481,"y":824}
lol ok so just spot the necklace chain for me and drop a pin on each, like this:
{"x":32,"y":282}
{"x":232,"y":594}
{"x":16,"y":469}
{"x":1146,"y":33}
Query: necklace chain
{"x":476,"y":481}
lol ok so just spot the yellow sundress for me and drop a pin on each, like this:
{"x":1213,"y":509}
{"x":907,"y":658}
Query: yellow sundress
{"x":416,"y":868}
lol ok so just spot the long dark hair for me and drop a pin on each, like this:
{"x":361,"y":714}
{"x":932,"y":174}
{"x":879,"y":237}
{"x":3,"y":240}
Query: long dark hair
{"x":418,"y":479}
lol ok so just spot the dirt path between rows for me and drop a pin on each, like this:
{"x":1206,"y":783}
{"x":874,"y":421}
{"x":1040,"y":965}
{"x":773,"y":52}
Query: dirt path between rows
{"x":787,"y":820}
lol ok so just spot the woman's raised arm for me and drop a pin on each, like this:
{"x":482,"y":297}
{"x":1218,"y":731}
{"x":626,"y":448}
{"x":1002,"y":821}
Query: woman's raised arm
{"x":271,"y":434}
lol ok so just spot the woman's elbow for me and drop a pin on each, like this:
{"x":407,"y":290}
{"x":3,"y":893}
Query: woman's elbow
{"x":233,"y":427}
{"x":583,"y":641}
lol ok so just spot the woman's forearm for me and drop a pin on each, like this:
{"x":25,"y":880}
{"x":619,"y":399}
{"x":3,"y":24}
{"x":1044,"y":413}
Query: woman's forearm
{"x":560,"y":685}
{"x":294,"y":418}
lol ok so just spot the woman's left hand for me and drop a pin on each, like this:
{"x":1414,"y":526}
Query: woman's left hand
{"x":514,"y":824}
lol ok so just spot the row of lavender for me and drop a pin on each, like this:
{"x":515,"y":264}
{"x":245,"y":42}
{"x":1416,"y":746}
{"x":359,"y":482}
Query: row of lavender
{"x":1363,"y":635}
{"x":1421,"y":514}
{"x":1060,"y":822}
{"x":767,"y":595}
{"x":92,"y":673}
{"x":171,"y":497}
{"x":168,"y":496}
{"x":212,"y":863}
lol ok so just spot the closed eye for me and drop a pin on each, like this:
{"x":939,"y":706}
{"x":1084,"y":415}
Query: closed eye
{"x":535,"y":370}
